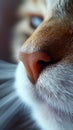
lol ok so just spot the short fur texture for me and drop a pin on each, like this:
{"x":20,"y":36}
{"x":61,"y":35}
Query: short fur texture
{"x":51,"y":98}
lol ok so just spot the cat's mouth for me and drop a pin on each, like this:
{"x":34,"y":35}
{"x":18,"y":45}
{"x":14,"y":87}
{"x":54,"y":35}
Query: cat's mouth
{"x":49,"y":90}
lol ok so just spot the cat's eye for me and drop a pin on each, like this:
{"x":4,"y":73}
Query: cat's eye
{"x":35,"y":21}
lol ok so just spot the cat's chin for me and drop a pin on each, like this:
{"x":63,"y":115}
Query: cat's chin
{"x":50,"y":114}
{"x":56,"y":107}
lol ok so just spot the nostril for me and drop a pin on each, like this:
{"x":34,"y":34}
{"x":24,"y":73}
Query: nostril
{"x":43,"y":64}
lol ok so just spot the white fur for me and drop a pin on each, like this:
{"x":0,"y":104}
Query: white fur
{"x":42,"y":105}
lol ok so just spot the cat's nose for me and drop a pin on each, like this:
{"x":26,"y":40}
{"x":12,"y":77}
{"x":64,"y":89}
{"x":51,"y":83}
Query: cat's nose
{"x":34,"y":63}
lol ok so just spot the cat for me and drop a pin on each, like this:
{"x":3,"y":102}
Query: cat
{"x":44,"y":77}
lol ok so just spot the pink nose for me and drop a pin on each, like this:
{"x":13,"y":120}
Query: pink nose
{"x":34,"y":63}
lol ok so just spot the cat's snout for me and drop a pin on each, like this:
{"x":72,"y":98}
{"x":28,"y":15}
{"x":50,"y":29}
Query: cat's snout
{"x":34,"y":63}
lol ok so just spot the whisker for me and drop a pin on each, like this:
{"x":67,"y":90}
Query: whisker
{"x":7,"y":99}
{"x":10,"y":112}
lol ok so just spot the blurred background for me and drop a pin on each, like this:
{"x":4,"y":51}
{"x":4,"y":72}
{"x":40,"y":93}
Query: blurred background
{"x":18,"y":20}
